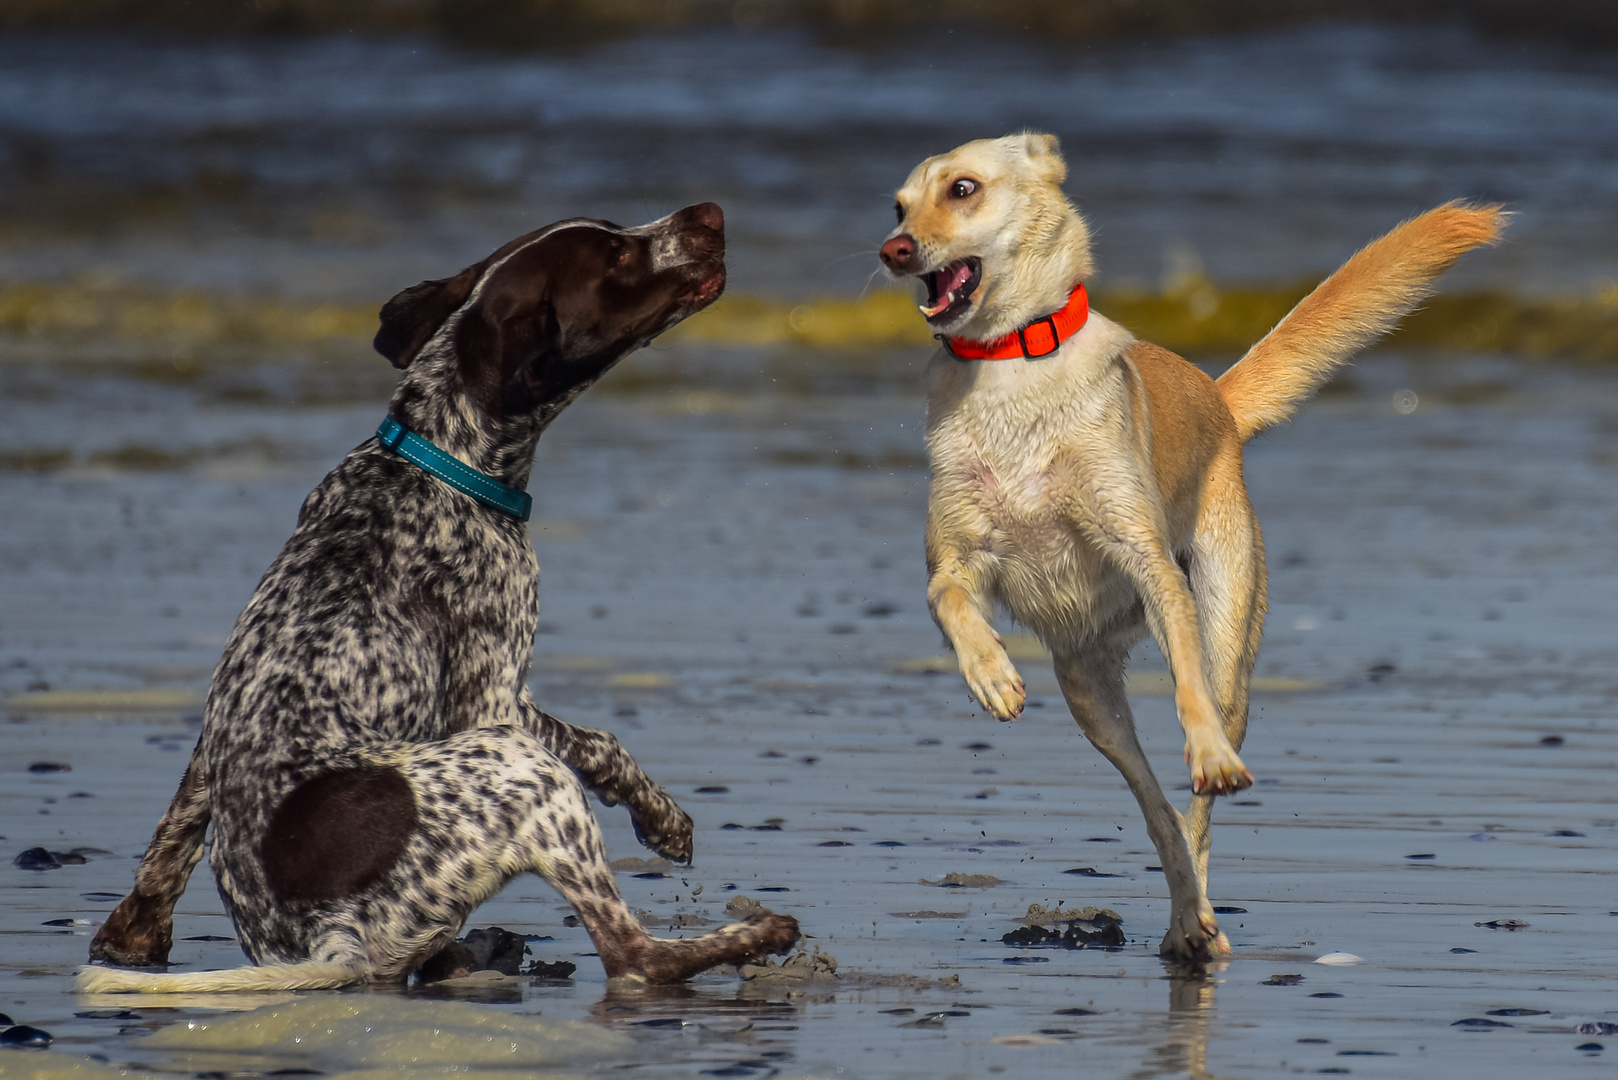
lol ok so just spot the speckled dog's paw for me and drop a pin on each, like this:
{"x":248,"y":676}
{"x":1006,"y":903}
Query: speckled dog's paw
{"x":661,"y":825}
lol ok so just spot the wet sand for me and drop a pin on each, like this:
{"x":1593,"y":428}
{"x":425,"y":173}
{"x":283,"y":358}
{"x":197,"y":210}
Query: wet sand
{"x":746,"y":611}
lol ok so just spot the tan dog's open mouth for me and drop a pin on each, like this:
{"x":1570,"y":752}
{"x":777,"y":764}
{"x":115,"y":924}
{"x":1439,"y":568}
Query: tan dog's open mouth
{"x":950,"y":289}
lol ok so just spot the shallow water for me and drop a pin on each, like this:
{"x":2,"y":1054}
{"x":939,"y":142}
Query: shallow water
{"x":747,"y":615}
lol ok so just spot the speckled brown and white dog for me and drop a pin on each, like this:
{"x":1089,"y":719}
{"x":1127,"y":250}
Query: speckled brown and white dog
{"x":371,"y":759}
{"x":1092,"y":484}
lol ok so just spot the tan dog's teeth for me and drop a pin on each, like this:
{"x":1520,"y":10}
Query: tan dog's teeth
{"x":946,"y":301}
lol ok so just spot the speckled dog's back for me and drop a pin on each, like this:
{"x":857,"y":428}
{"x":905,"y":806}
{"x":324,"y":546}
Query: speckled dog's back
{"x":371,"y":758}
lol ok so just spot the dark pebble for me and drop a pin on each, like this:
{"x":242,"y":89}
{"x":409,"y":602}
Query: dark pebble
{"x":570,"y":920}
{"x":1366,"y":1053}
{"x":101,"y":897}
{"x":732,"y":1070}
{"x":1075,"y":1012}
{"x":1552,"y":740}
{"x":1503,"y":924}
{"x":208,"y":937}
{"x":1463,"y":950}
{"x":768,"y":826}
{"x":1282,"y":980}
{"x":651,"y":876}
{"x":834,"y":843}
{"x":1593,"y":1048}
{"x":772,"y":754}
{"x":1087,"y":871}
{"x":930,"y":1020}
{"x":1230,"y":911}
{"x":889,"y":843}
{"x":1423,"y":855}
{"x":663,"y":1022}
{"x":772,"y":888}
{"x":977,"y":747}
{"x":929,"y":742}
{"x":1103,"y":840}
{"x":26,"y":1037}
{"x":1154,"y":869}
{"x":1564,"y":832}
{"x":1326,"y":994}
{"x":731,"y":826}
{"x":896,"y":1012}
{"x":36,"y":858}
{"x":1518,"y":1012}
{"x":1320,"y":1042}
{"x":1598,"y":1027}
{"x":1057,"y":1031}
{"x":58,"y":922}
{"x":108,"y":1014}
{"x":50,"y":767}
{"x":713,"y":789}
{"x":1026,"y":960}
{"x":1480,"y":1023}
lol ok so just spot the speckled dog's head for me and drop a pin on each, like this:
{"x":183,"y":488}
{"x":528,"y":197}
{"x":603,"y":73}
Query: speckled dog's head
{"x":531,"y":326}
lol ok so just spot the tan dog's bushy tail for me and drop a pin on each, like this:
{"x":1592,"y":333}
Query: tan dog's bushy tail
{"x":305,"y":976}
{"x":1367,"y":295}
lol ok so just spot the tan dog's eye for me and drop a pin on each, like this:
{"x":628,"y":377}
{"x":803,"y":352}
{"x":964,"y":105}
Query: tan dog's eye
{"x":899,"y":212}
{"x":962,"y":188}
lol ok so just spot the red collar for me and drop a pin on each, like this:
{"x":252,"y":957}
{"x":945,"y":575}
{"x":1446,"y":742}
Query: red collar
{"x":1038,"y":339}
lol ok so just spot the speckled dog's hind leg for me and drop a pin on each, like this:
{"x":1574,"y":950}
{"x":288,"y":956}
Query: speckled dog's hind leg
{"x":494,"y":802}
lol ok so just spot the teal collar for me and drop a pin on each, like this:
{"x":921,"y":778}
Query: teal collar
{"x":453,"y":471}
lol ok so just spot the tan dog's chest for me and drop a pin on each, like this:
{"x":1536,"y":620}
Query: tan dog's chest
{"x":1009,"y":450}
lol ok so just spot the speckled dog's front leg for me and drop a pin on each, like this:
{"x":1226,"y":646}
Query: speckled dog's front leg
{"x":616,"y":777}
{"x":140,"y":930}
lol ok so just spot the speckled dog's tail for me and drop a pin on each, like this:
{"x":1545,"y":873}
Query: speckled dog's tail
{"x":1374,"y":289}
{"x":310,"y":975}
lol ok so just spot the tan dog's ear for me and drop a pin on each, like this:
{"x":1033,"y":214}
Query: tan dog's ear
{"x":1045,"y":155}
{"x":410,"y":319}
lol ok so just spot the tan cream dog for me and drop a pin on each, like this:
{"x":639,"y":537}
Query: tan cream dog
{"x":1091,"y":484}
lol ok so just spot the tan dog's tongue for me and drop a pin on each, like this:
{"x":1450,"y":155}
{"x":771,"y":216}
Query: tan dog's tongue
{"x":950,"y":278}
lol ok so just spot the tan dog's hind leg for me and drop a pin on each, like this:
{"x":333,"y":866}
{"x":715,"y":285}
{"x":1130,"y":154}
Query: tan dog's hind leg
{"x":1228,"y":581}
{"x":989,"y":672}
{"x":1093,"y":683}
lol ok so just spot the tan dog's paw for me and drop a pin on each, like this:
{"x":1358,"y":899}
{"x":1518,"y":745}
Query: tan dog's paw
{"x":995,"y":682}
{"x":1194,"y":933}
{"x":1216,"y":770}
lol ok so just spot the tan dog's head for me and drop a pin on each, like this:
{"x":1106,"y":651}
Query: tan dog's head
{"x":987,"y":231}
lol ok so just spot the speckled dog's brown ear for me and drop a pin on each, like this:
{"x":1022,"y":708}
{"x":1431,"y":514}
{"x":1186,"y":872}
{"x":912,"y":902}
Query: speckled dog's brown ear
{"x":410,"y":319}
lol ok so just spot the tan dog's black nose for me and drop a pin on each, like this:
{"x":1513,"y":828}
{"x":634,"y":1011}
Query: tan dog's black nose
{"x":899,"y":254}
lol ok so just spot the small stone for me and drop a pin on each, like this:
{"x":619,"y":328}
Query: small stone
{"x":1480,"y":1023}
{"x":1598,"y":1027}
{"x":1282,"y":980}
{"x":22,"y":1035}
{"x":1504,"y":924}
{"x":559,"y":969}
{"x":50,"y":767}
{"x":36,"y":858}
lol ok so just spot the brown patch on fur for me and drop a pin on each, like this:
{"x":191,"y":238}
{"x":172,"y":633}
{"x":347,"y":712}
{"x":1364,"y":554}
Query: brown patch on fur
{"x":338,"y":834}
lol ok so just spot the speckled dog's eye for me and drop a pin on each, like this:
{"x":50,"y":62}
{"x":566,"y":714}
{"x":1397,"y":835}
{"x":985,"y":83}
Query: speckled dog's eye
{"x":962,"y":188}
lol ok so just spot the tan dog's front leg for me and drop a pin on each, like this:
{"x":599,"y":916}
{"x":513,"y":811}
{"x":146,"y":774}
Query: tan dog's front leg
{"x":989,"y":673}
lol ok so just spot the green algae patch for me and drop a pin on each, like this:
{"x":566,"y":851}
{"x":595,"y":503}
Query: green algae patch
{"x":1197,"y":317}
{"x":351,"y":1033}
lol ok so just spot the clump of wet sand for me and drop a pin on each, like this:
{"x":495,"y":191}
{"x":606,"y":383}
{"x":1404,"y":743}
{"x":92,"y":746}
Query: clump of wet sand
{"x":964,"y":881}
